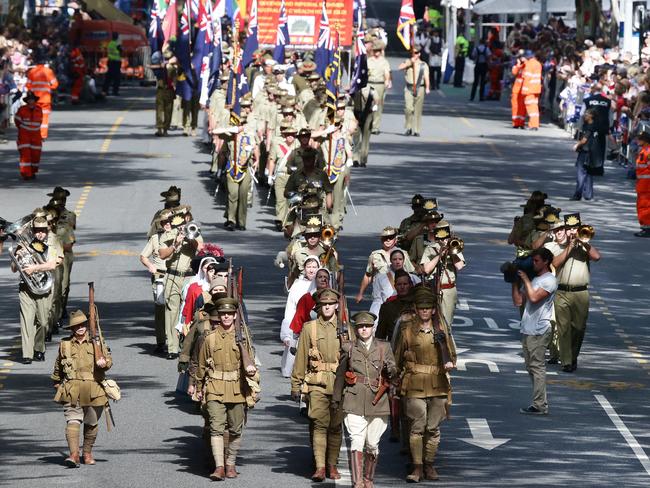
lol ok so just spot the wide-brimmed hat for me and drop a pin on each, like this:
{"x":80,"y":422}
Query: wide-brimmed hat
{"x":417,"y":200}
{"x":572,"y":220}
{"x":173,"y":194}
{"x":388,"y":231}
{"x":40,"y":223}
{"x":430,"y":204}
{"x":442,"y":230}
{"x":313,"y":224}
{"x":76,"y":318}
{"x":59,"y":192}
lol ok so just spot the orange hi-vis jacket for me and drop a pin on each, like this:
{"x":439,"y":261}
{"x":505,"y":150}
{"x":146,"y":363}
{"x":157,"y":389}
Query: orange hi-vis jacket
{"x":41,"y":80}
{"x":77,"y":61}
{"x":643,"y":187}
{"x":532,"y":84}
{"x":518,"y":73}
{"x":28,"y":122}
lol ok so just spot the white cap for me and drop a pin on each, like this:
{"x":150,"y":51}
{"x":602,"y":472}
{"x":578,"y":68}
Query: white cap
{"x":270,"y":62}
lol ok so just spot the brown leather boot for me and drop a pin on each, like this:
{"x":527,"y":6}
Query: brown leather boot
{"x":231,"y":471}
{"x":72,"y":461}
{"x":370,"y":464}
{"x":430,"y":472}
{"x":319,"y":475}
{"x":356,"y":468}
{"x":218,"y":474}
{"x":416,"y":474}
{"x":332,"y":472}
{"x":72,"y":436}
{"x":90,"y":435}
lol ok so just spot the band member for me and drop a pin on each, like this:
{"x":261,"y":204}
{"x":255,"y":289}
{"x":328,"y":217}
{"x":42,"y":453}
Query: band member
{"x":78,"y":376}
{"x":222,"y":379}
{"x":314,"y":372}
{"x":442,"y":262}
{"x":572,"y":258}
{"x":425,"y":354}
{"x":172,"y":199}
{"x":35,"y":305}
{"x":281,"y":149}
{"x":361,"y":385}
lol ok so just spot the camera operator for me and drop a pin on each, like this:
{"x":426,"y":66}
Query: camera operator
{"x":572,"y":257}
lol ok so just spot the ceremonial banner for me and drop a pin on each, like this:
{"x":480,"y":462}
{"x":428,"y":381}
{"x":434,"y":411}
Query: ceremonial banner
{"x":304,"y":21}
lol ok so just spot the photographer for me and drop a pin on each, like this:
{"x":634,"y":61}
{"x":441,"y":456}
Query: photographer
{"x":538,"y":296}
{"x":588,"y":162}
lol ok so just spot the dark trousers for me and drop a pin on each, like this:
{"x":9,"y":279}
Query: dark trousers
{"x":480,"y":78}
{"x":459,"y":69}
{"x":113,"y":76}
{"x":435,"y":73}
{"x":584,"y":181}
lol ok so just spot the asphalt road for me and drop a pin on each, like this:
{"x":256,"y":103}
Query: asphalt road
{"x":479,"y":169}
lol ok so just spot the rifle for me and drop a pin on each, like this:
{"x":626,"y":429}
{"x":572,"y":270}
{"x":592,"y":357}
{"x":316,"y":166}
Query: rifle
{"x":92,"y":323}
{"x":234,"y":290}
{"x":343,"y":331}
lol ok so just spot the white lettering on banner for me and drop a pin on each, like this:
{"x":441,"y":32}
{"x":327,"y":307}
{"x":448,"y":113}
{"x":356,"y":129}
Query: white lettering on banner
{"x":462,"y":364}
{"x":481,"y":435}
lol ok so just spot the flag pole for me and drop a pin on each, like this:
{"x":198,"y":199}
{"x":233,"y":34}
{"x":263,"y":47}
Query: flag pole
{"x":412,"y":51}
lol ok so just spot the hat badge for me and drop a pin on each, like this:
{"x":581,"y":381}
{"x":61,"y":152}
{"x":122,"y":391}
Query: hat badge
{"x":572,"y":220}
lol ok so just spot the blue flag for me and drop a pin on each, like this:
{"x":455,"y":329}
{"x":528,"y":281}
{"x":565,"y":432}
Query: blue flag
{"x":282,"y":37}
{"x":324,"y":52}
{"x":252,"y":44}
{"x":360,"y":73}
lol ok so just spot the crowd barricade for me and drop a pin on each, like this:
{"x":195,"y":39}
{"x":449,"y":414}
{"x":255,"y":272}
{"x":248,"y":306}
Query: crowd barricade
{"x":5,"y":111}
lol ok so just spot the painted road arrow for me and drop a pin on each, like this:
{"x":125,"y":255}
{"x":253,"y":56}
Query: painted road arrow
{"x":481,"y":435}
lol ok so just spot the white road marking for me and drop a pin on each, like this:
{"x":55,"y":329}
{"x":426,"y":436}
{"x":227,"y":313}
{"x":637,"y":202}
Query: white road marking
{"x":462,"y":322}
{"x":462,"y":364}
{"x":481,"y":435}
{"x":462,"y":304}
{"x":521,"y":371}
{"x":344,"y":470}
{"x":625,"y":432}
{"x":491,"y":323}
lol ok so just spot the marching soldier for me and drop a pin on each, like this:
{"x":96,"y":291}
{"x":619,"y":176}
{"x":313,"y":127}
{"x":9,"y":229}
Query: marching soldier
{"x":361,"y":386}
{"x":379,"y":78}
{"x":440,"y":262}
{"x":166,"y":74}
{"x":177,"y":251}
{"x":222,"y":377}
{"x":572,"y":259}
{"x":425,"y":354}
{"x":416,"y":74}
{"x":413,"y":227}
{"x":308,"y":179}
{"x":218,"y":116}
{"x":172,"y":199}
{"x":279,"y":172}
{"x":78,"y":376}
{"x":314,"y":372}
{"x":364,"y":103}
{"x":337,"y":153}
{"x":35,"y":306}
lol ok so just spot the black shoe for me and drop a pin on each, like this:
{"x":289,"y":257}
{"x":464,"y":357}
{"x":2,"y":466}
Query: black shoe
{"x":643,"y":233}
{"x":48,"y":337}
{"x":416,"y":134}
{"x":533,"y":411}
{"x":567,"y":368}
{"x":39,"y":356}
{"x":575,"y":198}
{"x":27,"y":360}
{"x":159,"y":133}
{"x":159,"y":349}
{"x":278,"y":225}
{"x":408,"y":132}
{"x":355,"y":164}
{"x":363,"y":165}
{"x":229,"y":226}
{"x":375,"y":132}
{"x":172,"y":355}
{"x":240,"y":227}
{"x":574,"y":365}
{"x":553,"y":361}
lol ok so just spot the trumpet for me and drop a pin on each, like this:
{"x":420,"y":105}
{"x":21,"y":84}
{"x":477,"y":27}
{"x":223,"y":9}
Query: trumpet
{"x":192,"y":231}
{"x":455,"y":245}
{"x":327,"y":235}
{"x":585,"y":233}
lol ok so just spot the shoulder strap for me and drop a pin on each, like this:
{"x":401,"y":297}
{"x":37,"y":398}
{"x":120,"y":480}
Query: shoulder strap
{"x":312,"y":335}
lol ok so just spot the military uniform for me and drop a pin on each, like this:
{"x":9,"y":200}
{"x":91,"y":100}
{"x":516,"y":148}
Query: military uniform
{"x":389,"y":314}
{"x":337,"y":149}
{"x":80,"y":389}
{"x":425,"y":385}
{"x":364,"y":103}
{"x":35,"y":309}
{"x":221,"y":374}
{"x":378,"y":71}
{"x":358,"y":379}
{"x":279,"y":155}
{"x":151,"y":251}
{"x":314,"y":372}
{"x":66,"y":237}
{"x":417,"y":81}
{"x":165,"y":95}
{"x":219,"y":116}
{"x":300,"y":180}
{"x":178,"y":267}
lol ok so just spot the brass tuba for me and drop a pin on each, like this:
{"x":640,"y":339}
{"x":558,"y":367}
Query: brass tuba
{"x":586,"y":233}
{"x":192,"y":231}
{"x":22,"y":255}
{"x":456,"y":245}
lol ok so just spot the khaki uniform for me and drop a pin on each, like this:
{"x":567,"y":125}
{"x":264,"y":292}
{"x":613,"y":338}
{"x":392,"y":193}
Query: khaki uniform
{"x":65,"y":235}
{"x":178,"y":266}
{"x":280,"y":152}
{"x":389,"y":313}
{"x":378,"y":68}
{"x":314,"y":372}
{"x":414,"y":98}
{"x":165,"y":99}
{"x":152,"y":252}
{"x":299,"y":180}
{"x":69,"y":219}
{"x":571,"y":301}
{"x":379,"y":262}
{"x":364,"y":101}
{"x":447,"y":282}
{"x":425,"y":385}
{"x":219,"y":117}
{"x":238,"y":178}
{"x":405,"y":227}
{"x":339,"y":170}
{"x":35,"y":310}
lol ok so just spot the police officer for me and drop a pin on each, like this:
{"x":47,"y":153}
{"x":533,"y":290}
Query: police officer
{"x":425,"y":354}
{"x":601,"y":105}
{"x":314,"y":372}
{"x":362,"y":377}
{"x":113,"y":75}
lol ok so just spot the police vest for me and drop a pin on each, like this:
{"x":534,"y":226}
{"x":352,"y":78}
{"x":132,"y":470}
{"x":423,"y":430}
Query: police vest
{"x":113,"y":51}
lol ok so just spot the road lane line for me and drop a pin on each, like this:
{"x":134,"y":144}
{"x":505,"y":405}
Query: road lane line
{"x":521,"y":371}
{"x":466,"y":122}
{"x":495,"y":149}
{"x":625,"y":432}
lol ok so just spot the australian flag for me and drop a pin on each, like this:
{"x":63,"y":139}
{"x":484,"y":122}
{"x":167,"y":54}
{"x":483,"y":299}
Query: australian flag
{"x":324,"y":52}
{"x":360,"y":73}
{"x":333,"y":77}
{"x":156,"y":38}
{"x":187,"y":79}
{"x":282,"y":37}
{"x":237,"y":88}
{"x":251,"y":41}
{"x":215,"y":58}
{"x":203,"y":45}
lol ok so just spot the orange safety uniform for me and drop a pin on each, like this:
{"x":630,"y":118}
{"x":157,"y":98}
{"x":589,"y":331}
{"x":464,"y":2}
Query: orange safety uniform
{"x":78,"y":67}
{"x":517,"y":98}
{"x":496,"y":73}
{"x":531,"y":89}
{"x":28,"y":122}
{"x":643,"y":187}
{"x":41,"y":80}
